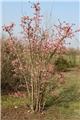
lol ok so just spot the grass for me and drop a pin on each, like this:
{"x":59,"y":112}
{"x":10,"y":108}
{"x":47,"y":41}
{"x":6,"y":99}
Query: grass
{"x":62,"y":113}
{"x":9,"y":101}
{"x":70,"y":111}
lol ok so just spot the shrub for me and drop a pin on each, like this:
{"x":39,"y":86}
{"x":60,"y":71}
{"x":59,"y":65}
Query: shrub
{"x":9,"y":82}
{"x":61,"y":64}
{"x":33,"y":63}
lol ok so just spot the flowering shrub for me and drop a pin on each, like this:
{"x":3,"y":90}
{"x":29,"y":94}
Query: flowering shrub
{"x":10,"y":81}
{"x":33,"y":63}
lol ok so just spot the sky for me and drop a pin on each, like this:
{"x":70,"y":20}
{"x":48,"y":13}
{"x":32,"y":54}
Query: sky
{"x":52,"y":10}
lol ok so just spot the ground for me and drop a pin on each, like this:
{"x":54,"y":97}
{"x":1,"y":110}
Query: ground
{"x":17,"y":109}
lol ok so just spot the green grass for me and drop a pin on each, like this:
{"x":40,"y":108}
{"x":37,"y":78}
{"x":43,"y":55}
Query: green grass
{"x":9,"y":101}
{"x":62,"y":113}
{"x":70,"y":111}
{"x":69,"y":108}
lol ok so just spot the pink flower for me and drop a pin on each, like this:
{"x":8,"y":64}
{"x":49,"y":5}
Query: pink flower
{"x":8,"y":28}
{"x":24,"y":19}
{"x":14,"y":62}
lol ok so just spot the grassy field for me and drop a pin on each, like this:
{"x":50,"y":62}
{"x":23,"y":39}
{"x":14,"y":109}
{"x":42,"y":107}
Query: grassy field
{"x":16,"y":108}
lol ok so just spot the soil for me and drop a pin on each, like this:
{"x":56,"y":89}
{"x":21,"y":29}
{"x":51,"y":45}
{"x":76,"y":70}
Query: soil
{"x":20,"y":113}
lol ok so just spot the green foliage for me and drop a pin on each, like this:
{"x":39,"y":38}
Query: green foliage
{"x":61,"y":64}
{"x":73,"y":57}
{"x":8,"y":81}
{"x":6,"y":67}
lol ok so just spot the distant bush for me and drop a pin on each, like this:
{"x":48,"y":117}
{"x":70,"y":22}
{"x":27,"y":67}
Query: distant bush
{"x":61,"y":64}
{"x":72,"y":55}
